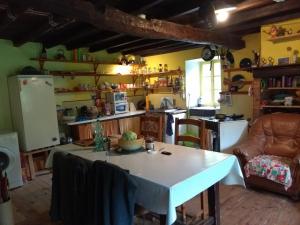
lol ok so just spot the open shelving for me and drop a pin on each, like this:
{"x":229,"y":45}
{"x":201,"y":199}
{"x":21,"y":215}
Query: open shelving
{"x":290,"y":37}
{"x":246,"y":82}
{"x":282,"y":106}
{"x":142,"y":75}
{"x":272,"y":81}
{"x":96,"y":63}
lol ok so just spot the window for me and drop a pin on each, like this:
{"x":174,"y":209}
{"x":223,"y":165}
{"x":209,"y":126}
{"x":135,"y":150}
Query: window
{"x":210,"y":82}
{"x":203,"y":79}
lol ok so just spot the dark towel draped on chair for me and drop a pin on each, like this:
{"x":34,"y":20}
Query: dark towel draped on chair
{"x":113,"y":191}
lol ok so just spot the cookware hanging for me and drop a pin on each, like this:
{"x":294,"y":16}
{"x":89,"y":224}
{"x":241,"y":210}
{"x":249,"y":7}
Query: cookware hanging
{"x":229,"y":57}
{"x":207,"y":53}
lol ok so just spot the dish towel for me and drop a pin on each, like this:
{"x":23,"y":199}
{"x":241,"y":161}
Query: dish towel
{"x":170,"y":120}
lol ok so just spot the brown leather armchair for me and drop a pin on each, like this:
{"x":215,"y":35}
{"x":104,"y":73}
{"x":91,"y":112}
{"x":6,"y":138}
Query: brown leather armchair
{"x":273,"y":134}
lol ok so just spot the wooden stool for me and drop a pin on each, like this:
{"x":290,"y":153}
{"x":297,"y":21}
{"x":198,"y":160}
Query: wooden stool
{"x":28,"y":161}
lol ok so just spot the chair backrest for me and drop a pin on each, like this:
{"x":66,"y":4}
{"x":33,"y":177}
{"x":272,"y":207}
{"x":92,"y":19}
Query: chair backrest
{"x":277,"y":134}
{"x":152,"y":125}
{"x":196,"y":140}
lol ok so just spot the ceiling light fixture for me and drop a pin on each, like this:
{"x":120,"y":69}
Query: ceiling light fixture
{"x":222,"y":11}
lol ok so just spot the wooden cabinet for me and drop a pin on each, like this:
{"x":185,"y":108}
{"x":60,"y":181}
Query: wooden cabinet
{"x":270,"y":87}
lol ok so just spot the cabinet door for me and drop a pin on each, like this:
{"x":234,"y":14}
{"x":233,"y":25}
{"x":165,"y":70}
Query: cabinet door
{"x":82,"y":132}
{"x":132,"y":124}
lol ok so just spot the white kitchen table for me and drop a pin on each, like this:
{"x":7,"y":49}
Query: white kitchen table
{"x":167,"y":181}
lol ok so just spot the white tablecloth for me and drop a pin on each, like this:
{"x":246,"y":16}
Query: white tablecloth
{"x":165,"y":182}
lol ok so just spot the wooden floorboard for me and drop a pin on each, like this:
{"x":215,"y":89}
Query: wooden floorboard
{"x":238,"y":206}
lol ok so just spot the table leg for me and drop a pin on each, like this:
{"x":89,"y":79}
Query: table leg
{"x":214,"y":203}
{"x":162,"y":219}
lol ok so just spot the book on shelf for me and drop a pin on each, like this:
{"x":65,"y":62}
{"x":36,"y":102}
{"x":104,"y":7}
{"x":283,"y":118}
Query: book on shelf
{"x":283,"y":82}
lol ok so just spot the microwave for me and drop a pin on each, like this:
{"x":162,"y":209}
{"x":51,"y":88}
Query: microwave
{"x":120,"y":107}
{"x":115,"y":97}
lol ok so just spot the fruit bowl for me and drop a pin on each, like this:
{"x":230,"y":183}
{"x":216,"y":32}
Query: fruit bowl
{"x":131,"y":145}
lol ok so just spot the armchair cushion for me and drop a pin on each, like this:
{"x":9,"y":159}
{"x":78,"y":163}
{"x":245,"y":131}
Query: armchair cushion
{"x":272,"y":167}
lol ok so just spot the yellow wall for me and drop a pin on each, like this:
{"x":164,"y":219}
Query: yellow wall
{"x":242,"y":104}
{"x":279,"y":50}
{"x":173,"y":60}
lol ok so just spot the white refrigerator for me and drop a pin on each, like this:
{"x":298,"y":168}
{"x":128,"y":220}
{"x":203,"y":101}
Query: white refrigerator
{"x":33,"y":111}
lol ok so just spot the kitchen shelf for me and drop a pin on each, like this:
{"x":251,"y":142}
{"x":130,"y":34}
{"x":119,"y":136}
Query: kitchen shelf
{"x":282,"y":106}
{"x":248,"y":69}
{"x":91,"y":73}
{"x":78,"y":91}
{"x":276,"y":71}
{"x":94,"y":63}
{"x":284,"y":88}
{"x":290,"y":37}
{"x":234,"y":92}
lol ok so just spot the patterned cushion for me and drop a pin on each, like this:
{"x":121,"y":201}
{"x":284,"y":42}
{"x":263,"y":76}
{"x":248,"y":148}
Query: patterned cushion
{"x":272,"y":167}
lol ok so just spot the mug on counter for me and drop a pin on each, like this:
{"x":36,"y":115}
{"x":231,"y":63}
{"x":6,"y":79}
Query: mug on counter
{"x":149,"y":144}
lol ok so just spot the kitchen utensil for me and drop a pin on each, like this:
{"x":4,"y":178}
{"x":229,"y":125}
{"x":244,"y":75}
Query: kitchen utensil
{"x":29,"y":70}
{"x":245,"y":63}
{"x":238,"y":81}
{"x":208,"y":54}
{"x":220,"y":116}
{"x":60,"y":54}
{"x":229,"y":57}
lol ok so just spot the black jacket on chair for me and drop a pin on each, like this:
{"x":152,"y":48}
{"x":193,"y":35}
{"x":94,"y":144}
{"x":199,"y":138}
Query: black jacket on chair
{"x":70,"y":188}
{"x":113,"y":195}
{"x":86,"y":193}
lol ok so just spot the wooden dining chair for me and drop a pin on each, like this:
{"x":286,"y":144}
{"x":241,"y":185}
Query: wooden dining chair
{"x":200,"y":140}
{"x":151,"y":125}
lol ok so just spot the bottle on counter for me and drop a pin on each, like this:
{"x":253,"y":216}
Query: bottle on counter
{"x":165,"y":67}
{"x":99,"y":139}
{"x":147,"y":103}
{"x":160,"y":68}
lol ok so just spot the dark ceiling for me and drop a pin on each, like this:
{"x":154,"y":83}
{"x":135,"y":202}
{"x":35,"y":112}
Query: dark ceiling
{"x":115,"y":27}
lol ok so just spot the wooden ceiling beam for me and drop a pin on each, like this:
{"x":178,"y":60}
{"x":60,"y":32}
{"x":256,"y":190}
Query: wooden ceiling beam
{"x":263,"y":12}
{"x":102,"y":45}
{"x":128,"y":46}
{"x":246,"y":27}
{"x":168,"y":50}
{"x":103,"y":36}
{"x":40,"y":31}
{"x":12,"y":14}
{"x":120,"y":44}
{"x":152,"y":46}
{"x":81,"y":33}
{"x":145,"y":8}
{"x":118,"y":21}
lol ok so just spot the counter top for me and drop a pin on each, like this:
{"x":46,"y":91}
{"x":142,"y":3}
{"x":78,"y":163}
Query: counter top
{"x":112,"y":117}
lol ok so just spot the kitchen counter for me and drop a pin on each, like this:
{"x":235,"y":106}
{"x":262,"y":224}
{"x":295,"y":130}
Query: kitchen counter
{"x":171,"y":111}
{"x":112,"y":117}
